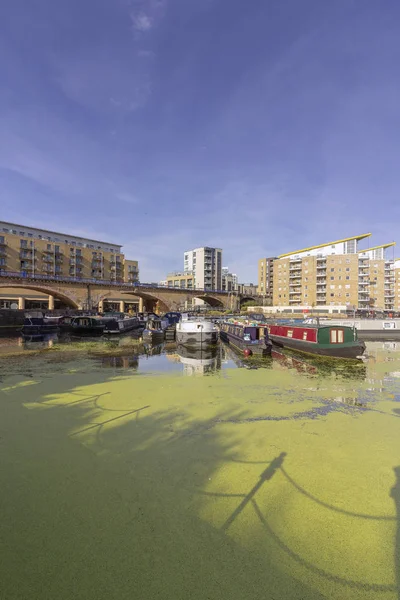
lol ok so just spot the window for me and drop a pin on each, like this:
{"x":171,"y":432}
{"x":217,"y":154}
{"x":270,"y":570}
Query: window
{"x":347,"y":268}
{"x":305,"y":278}
{"x":340,"y":277}
{"x":332,"y":287}
{"x":332,"y":295}
{"x":290,"y":333}
{"x":48,"y":246}
{"x":332,"y":270}
{"x":304,"y":335}
{"x":347,"y":277}
{"x":347,"y":295}
{"x":332,"y":278}
{"x":24,"y":243}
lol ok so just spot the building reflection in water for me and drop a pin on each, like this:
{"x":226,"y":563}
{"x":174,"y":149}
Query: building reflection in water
{"x":121,"y":362}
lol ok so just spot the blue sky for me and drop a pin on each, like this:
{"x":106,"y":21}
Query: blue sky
{"x":259,"y":127}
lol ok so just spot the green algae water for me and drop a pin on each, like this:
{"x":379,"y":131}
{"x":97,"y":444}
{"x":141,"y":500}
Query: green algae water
{"x":172,"y":476}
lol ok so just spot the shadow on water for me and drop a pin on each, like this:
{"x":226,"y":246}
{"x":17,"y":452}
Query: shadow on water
{"x":95,"y":502}
{"x":395,"y":494}
{"x":102,"y":501}
{"x":250,"y":498}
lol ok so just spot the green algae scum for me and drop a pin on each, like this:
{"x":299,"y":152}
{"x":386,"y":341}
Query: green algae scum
{"x":121,"y":477}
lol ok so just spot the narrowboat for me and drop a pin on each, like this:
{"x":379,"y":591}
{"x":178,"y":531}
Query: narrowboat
{"x":248,"y":339}
{"x":323,"y":340}
{"x":38,"y":326}
{"x":82,"y":326}
{"x":370,"y":329}
{"x":119,"y":323}
{"x":173,"y":317}
{"x":155,"y":330}
{"x":196,"y":332}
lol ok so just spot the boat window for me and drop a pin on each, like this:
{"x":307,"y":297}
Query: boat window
{"x":340,"y":336}
{"x":333,"y":336}
{"x":290,"y":333}
{"x":304,"y":335}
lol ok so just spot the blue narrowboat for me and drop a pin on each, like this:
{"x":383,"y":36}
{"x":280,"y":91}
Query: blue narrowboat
{"x":247,"y":339}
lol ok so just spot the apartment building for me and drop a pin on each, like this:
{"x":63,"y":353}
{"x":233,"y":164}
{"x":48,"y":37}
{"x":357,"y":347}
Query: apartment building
{"x":336,"y":273}
{"x":179,"y":279}
{"x":206,"y":265}
{"x":229,"y":280}
{"x":266,"y":276}
{"x":397,"y":284}
{"x":35,"y":251}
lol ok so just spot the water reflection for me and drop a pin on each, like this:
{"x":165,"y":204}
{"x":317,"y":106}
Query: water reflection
{"x":321,"y":367}
{"x":121,"y":362}
{"x":199,"y":361}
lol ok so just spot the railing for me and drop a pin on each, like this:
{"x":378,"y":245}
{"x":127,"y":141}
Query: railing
{"x":63,"y":279}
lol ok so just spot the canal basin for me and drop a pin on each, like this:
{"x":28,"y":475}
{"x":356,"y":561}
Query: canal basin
{"x":138,"y":481}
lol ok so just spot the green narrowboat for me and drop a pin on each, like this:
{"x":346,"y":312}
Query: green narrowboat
{"x":323,"y":340}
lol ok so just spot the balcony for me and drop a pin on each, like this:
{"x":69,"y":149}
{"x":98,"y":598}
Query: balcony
{"x":26,"y":254}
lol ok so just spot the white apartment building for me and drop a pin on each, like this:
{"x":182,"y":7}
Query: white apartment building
{"x":229,"y":280}
{"x":206,"y":265}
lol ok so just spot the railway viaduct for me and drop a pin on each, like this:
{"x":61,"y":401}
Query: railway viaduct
{"x":87,"y":294}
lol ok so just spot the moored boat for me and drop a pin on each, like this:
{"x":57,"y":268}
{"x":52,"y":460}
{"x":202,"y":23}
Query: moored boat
{"x":248,"y":339}
{"x":367,"y":329}
{"x":155,"y":330}
{"x":82,"y":326}
{"x":115,"y":323}
{"x":37,"y":326}
{"x":323,"y":340}
{"x":196,"y":332}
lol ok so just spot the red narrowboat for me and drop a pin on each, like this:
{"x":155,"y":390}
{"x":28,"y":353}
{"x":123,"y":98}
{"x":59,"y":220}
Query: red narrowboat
{"x":324,"y":340}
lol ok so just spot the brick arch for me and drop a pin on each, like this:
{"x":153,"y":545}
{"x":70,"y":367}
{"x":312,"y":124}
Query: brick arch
{"x":244,"y":299}
{"x":153,"y":299}
{"x":43,"y":289}
{"x":211,"y":300}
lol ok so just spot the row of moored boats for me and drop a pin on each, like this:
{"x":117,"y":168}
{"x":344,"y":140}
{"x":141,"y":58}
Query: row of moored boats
{"x":249,"y":337}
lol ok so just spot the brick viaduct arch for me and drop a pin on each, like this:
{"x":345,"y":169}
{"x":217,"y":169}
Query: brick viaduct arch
{"x":44,"y":289}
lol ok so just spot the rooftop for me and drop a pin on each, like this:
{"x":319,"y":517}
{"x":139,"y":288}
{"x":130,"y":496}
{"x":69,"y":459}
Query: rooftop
{"x":378,"y":247}
{"x":72,"y":235}
{"x":349,"y":239}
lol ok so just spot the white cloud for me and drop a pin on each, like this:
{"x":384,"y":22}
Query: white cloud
{"x":141,"y":22}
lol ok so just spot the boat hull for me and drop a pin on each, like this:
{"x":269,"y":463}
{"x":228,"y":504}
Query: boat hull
{"x":83,"y":331}
{"x":39,"y":329}
{"x":153,"y":336}
{"x":260,"y":349}
{"x":197,"y":339}
{"x":348,"y":351}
